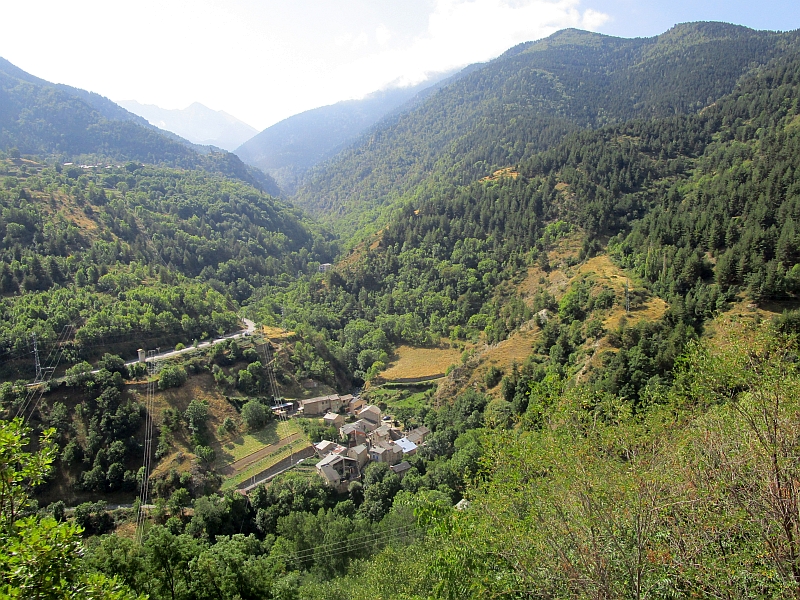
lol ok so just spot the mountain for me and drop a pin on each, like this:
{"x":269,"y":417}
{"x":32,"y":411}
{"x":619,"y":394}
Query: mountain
{"x":596,"y":347}
{"x":288,"y":149}
{"x":44,"y":119}
{"x":197,"y":123}
{"x":526,"y":100}
{"x":69,"y":247}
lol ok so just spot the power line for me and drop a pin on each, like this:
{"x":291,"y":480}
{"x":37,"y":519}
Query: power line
{"x":333,"y":546}
{"x":350,"y":545}
{"x":44,"y":376}
{"x":148,"y":443}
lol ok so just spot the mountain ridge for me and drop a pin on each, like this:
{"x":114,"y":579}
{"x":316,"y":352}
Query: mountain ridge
{"x":197,"y":123}
{"x":546,"y":88}
{"x":289,"y":148}
{"x":41,"y":118}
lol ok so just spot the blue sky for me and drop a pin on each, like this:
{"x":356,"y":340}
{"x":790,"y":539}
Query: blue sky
{"x":644,"y":19}
{"x":265,"y":60}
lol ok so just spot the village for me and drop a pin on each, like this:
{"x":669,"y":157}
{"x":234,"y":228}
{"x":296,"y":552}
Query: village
{"x":369,"y":437}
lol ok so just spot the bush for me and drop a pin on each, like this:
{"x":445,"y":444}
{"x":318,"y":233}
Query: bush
{"x":171,"y":377}
{"x":196,"y":415}
{"x":493,"y":377}
{"x":254,"y":414}
{"x":113,"y":363}
{"x":226,"y":427}
{"x":79,"y":374}
{"x":206,"y":455}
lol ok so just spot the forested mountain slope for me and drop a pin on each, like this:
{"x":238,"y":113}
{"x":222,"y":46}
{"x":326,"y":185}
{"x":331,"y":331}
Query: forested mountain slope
{"x":40,"y":118}
{"x":288,"y":149}
{"x":666,"y":468}
{"x":117,"y":252}
{"x":527,"y":100}
{"x":699,"y":208}
{"x":642,"y":443}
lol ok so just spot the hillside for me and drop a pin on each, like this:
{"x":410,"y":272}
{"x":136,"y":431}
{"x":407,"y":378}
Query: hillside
{"x":43,"y":119}
{"x":672,"y":201}
{"x":586,"y":301}
{"x":197,"y":123}
{"x":135,"y":253}
{"x":527,"y":100}
{"x":288,"y":149}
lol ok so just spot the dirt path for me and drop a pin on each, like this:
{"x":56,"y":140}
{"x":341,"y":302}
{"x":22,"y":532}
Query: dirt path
{"x":243,"y":463}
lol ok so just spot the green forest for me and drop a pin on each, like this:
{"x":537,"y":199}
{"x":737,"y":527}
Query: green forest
{"x":639,"y":231}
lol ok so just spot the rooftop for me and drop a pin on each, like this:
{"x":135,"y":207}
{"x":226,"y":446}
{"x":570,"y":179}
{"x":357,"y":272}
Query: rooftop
{"x":406,"y":444}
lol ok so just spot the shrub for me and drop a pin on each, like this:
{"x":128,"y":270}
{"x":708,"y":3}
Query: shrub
{"x":493,"y":377}
{"x":254,"y":414}
{"x":196,"y":415}
{"x":171,"y":377}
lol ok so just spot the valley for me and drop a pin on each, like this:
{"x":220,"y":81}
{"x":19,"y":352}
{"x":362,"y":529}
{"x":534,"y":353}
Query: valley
{"x":533,"y":335}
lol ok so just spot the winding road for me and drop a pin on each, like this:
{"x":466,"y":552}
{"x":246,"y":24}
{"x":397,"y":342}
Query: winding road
{"x":250,"y":327}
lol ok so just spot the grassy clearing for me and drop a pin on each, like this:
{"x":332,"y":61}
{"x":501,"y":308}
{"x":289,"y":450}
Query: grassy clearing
{"x":516,"y":348}
{"x":200,"y":387}
{"x":265,"y":463}
{"x":242,"y":445}
{"x":396,"y":398}
{"x":409,"y":362}
{"x":500,"y":173}
{"x":277,"y":333}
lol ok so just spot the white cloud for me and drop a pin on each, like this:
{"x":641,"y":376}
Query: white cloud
{"x":360,"y":41}
{"x":264,"y":60}
{"x":383,"y":35}
{"x":462,"y":32}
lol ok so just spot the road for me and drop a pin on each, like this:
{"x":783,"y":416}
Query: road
{"x":250,"y":327}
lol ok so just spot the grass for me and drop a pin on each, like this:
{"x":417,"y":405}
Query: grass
{"x":277,"y":333}
{"x":409,"y":362}
{"x":264,"y":463}
{"x":245,"y":444}
{"x":394,"y":398}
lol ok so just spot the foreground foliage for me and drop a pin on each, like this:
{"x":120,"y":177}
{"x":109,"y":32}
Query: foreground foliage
{"x":696,"y":497}
{"x":39,"y":556}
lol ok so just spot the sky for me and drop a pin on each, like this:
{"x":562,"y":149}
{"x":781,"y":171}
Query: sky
{"x":265,"y":60}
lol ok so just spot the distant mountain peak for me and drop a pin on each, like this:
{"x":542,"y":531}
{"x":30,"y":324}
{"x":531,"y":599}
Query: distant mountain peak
{"x":197,"y":123}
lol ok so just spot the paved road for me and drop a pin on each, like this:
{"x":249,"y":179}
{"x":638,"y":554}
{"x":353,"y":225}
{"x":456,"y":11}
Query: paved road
{"x":250,"y":327}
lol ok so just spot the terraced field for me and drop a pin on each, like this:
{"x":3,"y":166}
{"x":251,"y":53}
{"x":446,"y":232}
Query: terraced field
{"x":246,"y":455}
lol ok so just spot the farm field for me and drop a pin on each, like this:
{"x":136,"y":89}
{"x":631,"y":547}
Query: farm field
{"x":239,"y":447}
{"x":407,"y":397}
{"x":279,"y":453}
{"x":412,"y":363}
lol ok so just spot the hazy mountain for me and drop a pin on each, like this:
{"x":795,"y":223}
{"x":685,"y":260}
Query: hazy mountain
{"x":197,"y":123}
{"x":42,"y":118}
{"x":526,"y":100}
{"x":289,"y":148}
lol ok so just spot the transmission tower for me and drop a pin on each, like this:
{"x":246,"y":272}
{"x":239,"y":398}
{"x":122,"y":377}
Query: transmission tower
{"x":36,"y":359}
